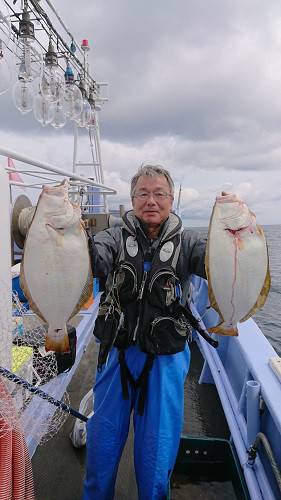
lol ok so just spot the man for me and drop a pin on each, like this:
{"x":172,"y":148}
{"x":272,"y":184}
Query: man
{"x":148,"y":261}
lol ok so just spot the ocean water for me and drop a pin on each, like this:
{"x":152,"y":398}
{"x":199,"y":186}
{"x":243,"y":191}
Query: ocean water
{"x":269,"y":317}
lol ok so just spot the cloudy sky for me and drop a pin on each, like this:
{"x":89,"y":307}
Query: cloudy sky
{"x":194,"y":85}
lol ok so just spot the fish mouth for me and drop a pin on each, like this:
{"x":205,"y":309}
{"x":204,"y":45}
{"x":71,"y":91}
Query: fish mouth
{"x":228,"y":198}
{"x":58,"y":190}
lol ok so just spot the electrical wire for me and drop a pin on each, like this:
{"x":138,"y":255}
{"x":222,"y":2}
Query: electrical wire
{"x":47,"y":26}
{"x":63,"y":25}
{"x":70,"y":54}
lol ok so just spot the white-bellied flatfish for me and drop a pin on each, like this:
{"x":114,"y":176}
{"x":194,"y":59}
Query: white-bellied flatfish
{"x":236,"y":263}
{"x":56,"y":274}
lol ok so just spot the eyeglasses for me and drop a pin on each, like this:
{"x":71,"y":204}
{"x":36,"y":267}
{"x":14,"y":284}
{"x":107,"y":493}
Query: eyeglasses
{"x":158,"y":195}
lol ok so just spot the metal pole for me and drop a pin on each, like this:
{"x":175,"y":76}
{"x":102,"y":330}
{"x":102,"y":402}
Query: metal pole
{"x":74,"y":167}
{"x":97,"y":141}
{"x":179,"y":201}
{"x":253,"y":389}
{"x":5,"y":273}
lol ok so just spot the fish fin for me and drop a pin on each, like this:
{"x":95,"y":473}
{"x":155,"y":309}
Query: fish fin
{"x":57,"y":339}
{"x":262,"y":296}
{"x":223,"y":329}
{"x":86,"y":292}
{"x":27,"y":294}
{"x":211,"y":294}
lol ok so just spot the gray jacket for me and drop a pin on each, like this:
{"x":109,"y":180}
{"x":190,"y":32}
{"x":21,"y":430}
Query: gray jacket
{"x":107,"y":245}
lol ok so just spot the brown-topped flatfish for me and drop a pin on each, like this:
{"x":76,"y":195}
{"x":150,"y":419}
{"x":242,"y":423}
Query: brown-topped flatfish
{"x":237,"y":264}
{"x":56,"y":274}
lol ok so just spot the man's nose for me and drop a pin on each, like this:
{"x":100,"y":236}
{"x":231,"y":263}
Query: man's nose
{"x":151,"y":199}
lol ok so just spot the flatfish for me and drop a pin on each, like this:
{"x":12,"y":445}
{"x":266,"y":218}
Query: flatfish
{"x":56,"y":274}
{"x":237,"y":264}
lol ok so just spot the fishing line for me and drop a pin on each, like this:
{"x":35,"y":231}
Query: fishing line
{"x":38,"y":392}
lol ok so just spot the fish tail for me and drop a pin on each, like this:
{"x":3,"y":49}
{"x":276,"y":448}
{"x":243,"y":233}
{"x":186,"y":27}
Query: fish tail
{"x":224,"y":329}
{"x":57,"y":340}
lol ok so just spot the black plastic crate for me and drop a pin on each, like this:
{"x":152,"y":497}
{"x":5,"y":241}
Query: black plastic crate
{"x":207,"y":465}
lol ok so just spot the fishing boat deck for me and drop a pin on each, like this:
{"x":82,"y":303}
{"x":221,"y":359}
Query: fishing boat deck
{"x":59,"y":468}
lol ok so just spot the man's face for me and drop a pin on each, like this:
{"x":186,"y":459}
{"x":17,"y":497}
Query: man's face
{"x":155,"y":205}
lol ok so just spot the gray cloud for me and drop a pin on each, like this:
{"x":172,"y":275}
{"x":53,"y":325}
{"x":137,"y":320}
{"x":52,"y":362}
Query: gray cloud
{"x":193,"y":85}
{"x":176,"y":67}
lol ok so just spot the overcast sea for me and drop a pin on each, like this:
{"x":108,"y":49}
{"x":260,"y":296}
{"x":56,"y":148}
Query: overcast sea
{"x":269,"y":317}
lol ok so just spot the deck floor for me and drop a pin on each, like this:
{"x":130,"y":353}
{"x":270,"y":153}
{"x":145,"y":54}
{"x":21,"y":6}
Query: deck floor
{"x":59,"y":468}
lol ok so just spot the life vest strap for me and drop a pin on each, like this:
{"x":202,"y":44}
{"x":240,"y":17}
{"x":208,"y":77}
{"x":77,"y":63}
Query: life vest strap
{"x":141,"y":382}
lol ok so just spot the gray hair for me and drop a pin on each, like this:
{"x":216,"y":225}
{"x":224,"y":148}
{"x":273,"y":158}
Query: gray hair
{"x":152,"y":171}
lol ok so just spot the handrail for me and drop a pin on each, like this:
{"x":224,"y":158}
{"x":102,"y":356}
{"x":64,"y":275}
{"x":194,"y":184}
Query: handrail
{"x":51,"y":168}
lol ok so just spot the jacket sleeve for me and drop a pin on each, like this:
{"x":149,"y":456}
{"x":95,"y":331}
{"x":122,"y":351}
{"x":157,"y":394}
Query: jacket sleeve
{"x":194,"y":249}
{"x":104,"y":248}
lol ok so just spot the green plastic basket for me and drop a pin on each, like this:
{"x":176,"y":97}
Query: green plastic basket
{"x":208,"y":459}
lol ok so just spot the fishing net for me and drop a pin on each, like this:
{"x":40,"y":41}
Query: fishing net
{"x":16,"y":478}
{"x":29,"y":355}
{"x":25,"y":357}
{"x":25,"y":418}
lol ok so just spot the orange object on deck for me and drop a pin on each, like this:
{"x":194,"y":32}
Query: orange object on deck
{"x":88,"y":303}
{"x":16,"y":477}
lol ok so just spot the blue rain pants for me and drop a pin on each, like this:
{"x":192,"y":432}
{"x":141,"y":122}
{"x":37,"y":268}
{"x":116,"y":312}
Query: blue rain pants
{"x":156,"y":433}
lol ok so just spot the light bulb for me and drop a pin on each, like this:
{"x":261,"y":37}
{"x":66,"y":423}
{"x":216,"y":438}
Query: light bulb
{"x":25,"y":63}
{"x":60,"y":116}
{"x":44,"y":111}
{"x":73,"y":101}
{"x":30,"y":60}
{"x":28,"y":50}
{"x":85,"y":115}
{"x":94,"y":108}
{"x":92,"y":122}
{"x":52,"y":83}
{"x":23,"y":96}
{"x":5,"y":71}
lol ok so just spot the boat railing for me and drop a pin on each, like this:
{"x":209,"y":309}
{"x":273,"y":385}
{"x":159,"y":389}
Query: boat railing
{"x":53,"y":172}
{"x":249,"y":390}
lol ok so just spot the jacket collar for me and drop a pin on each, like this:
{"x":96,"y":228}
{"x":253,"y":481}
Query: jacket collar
{"x":170,"y":227}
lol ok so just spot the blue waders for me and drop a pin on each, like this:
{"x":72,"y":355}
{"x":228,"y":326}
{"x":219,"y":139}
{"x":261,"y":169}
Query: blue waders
{"x":157,"y":431}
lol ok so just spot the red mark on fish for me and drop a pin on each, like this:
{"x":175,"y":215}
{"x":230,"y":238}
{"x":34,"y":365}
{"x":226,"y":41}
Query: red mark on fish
{"x":238,"y":244}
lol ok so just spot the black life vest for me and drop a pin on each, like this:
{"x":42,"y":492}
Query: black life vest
{"x":143,"y":304}
{"x":149,"y":293}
